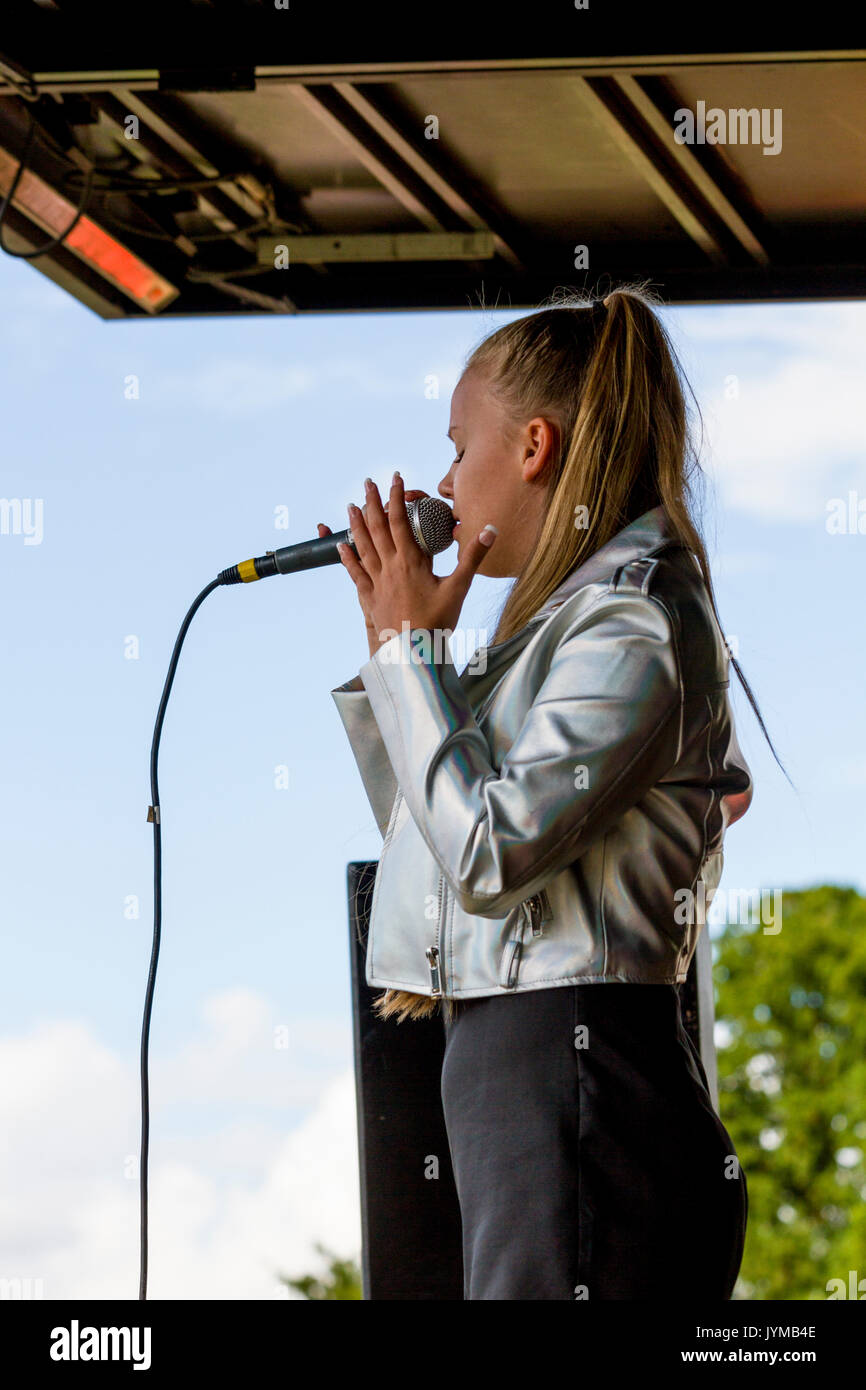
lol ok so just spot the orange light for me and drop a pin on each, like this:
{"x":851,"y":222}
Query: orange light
{"x":52,"y":212}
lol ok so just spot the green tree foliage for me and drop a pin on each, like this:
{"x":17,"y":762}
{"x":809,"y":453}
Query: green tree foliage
{"x":791,"y":1047}
{"x":342,"y":1280}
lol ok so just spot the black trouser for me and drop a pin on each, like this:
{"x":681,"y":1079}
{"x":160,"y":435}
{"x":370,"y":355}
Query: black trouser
{"x":588,"y":1158}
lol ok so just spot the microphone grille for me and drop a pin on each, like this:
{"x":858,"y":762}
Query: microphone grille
{"x":432,"y":522}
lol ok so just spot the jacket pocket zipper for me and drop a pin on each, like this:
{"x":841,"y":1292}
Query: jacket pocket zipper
{"x":513,"y":953}
{"x":538,"y":911}
{"x":534,"y":912}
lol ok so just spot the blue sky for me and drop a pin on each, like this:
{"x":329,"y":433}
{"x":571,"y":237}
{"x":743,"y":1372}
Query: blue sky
{"x":143,"y":502}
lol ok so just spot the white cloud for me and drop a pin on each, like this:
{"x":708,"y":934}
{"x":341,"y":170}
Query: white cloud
{"x":792,"y":439}
{"x":823,"y":331}
{"x":239,"y":1056}
{"x":229,"y":1207}
{"x":795,"y":435}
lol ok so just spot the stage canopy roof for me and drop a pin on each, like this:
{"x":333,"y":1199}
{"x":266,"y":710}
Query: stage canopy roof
{"x":250,"y":157}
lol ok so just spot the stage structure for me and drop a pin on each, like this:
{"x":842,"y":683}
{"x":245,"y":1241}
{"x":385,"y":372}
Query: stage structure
{"x":251,"y":157}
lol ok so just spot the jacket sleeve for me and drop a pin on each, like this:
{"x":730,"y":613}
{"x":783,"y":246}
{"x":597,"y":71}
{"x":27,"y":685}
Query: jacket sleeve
{"x":604,"y":726}
{"x":371,"y":755}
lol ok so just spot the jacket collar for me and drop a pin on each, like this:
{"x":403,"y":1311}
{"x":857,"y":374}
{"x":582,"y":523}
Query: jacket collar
{"x":642,"y":536}
{"x":647,"y":533}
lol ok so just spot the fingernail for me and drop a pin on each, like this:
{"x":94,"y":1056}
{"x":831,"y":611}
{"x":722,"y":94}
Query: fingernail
{"x":368,"y":483}
{"x":351,"y":508}
{"x":396,"y":476}
{"x":488,"y":534}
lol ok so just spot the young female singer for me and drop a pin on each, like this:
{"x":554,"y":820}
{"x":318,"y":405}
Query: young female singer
{"x":553,"y":817}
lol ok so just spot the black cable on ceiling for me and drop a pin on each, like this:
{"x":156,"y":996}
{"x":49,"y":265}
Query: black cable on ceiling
{"x":55,"y":241}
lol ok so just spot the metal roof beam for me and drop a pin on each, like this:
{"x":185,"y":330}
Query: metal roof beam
{"x":334,"y":112}
{"x":655,"y":101}
{"x":450,"y":185}
{"x":613,"y":111}
{"x":369,"y":247}
{"x":346,"y":43}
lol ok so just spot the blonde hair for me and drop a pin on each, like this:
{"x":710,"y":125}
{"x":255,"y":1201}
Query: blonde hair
{"x":606,"y":375}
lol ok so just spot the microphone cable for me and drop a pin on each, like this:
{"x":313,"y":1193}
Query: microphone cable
{"x":307,"y":555}
{"x":153,"y":815}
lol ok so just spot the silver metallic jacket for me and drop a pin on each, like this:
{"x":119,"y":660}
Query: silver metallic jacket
{"x":557,"y":815}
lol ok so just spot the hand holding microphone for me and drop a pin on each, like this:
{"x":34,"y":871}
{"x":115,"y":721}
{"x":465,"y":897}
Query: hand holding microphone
{"x":394,"y":575}
{"x":372,"y":638}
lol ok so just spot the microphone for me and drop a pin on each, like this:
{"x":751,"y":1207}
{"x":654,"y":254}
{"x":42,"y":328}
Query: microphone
{"x":430,"y":518}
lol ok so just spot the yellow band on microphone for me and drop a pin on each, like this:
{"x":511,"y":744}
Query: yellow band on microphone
{"x":247,"y":570}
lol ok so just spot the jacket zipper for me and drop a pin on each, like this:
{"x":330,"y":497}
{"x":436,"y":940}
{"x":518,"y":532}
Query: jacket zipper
{"x":432,"y":952}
